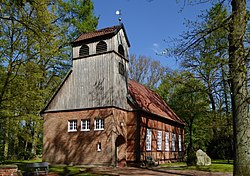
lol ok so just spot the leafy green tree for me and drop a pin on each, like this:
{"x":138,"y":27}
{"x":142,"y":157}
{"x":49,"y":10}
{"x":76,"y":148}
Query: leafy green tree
{"x":238,"y":77}
{"x":204,"y":52}
{"x":186,"y":95}
{"x":78,"y":17}
{"x":33,"y":59}
{"x":208,"y":60}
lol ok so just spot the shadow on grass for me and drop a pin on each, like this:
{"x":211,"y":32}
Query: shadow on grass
{"x":167,"y":171}
{"x":217,"y":166}
{"x":222,"y":161}
{"x":59,"y":170}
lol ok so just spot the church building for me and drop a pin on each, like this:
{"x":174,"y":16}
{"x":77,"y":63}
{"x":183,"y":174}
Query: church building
{"x":99,"y":116}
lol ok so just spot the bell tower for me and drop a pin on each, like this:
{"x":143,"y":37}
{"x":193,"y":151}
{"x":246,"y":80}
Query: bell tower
{"x":100,"y":69}
{"x":99,"y":74}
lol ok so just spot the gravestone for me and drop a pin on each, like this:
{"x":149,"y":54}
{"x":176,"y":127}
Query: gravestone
{"x":202,"y":158}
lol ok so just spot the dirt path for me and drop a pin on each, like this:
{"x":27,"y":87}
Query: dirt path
{"x":154,"y":172}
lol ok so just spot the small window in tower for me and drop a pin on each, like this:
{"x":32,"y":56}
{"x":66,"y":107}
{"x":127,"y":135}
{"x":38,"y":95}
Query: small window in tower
{"x":121,"y":69}
{"x":84,"y":51}
{"x":101,"y":47}
{"x":121,"y":50}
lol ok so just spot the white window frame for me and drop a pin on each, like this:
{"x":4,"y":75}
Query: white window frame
{"x":149,"y":140}
{"x":99,"y":124}
{"x":85,"y":125}
{"x":173,"y":141}
{"x":72,"y":125}
{"x":180,"y":147}
{"x":167,"y":141}
{"x":159,"y":140}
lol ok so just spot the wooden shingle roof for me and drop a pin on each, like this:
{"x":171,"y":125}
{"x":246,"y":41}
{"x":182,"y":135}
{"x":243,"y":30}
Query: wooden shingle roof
{"x":151,"y":102}
{"x":101,"y":33}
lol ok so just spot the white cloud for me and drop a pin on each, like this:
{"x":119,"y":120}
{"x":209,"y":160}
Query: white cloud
{"x":155,"y":47}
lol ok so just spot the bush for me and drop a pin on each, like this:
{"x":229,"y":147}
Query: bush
{"x":25,"y":155}
{"x":220,"y":147}
{"x":191,"y":158}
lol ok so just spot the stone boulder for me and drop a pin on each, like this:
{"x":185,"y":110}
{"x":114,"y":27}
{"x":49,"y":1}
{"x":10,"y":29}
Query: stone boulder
{"x":202,"y":158}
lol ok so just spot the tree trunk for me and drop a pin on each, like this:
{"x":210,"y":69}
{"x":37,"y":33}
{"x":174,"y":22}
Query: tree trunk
{"x":239,"y":92}
{"x":212,"y":102}
{"x":227,"y":129}
{"x":6,"y":139}
{"x":191,"y":157}
{"x":35,"y":139}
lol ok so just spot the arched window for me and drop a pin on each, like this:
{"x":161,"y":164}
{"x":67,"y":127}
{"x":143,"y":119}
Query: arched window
{"x":121,"y":50}
{"x":84,"y":51}
{"x":101,"y":47}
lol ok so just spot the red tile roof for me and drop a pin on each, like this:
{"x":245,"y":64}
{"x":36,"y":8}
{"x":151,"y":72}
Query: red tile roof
{"x":100,"y":33}
{"x":150,"y":101}
{"x":96,"y":33}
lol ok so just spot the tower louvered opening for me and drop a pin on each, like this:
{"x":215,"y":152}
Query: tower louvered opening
{"x":101,"y":47}
{"x":84,"y":51}
{"x":121,"y":50}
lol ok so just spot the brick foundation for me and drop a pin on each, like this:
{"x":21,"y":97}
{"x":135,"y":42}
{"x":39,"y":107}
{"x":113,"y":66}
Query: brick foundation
{"x":7,"y":170}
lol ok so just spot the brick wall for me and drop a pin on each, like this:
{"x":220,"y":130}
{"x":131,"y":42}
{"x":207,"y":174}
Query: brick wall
{"x":8,"y":170}
{"x":80,"y":147}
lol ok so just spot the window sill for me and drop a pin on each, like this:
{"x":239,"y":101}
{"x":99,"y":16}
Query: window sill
{"x":99,"y":129}
{"x":72,"y":131}
{"x":86,"y":130}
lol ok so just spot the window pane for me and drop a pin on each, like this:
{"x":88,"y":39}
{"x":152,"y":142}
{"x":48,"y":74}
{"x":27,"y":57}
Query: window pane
{"x":72,"y":125}
{"x":159,"y":140}
{"x":148,"y":139}
{"x":85,"y":124}
{"x":167,"y":141}
{"x":99,"y":147}
{"x":173,"y":142}
{"x":99,"y":124}
{"x":180,"y":143}
{"x":102,"y":123}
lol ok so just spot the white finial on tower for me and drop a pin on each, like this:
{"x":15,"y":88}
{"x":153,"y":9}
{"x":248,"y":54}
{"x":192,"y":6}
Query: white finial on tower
{"x":118,"y":12}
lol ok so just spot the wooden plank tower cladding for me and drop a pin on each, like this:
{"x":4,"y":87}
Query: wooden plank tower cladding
{"x":96,"y":79}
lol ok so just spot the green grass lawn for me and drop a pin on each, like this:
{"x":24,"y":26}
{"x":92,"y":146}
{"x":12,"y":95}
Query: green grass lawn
{"x":70,"y":170}
{"x":58,"y":169}
{"x":216,"y":166}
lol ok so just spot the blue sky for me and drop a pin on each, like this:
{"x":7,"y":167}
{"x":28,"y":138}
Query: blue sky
{"x":148,"y":23}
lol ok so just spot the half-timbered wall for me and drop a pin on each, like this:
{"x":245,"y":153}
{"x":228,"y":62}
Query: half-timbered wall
{"x":137,"y":126}
{"x":162,"y":155}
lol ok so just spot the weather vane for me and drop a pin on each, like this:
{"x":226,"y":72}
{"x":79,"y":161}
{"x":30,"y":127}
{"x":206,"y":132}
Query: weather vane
{"x":119,"y":13}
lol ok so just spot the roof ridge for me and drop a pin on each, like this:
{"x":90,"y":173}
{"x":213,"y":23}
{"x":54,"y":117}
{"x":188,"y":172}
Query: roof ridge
{"x":98,"y":33}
